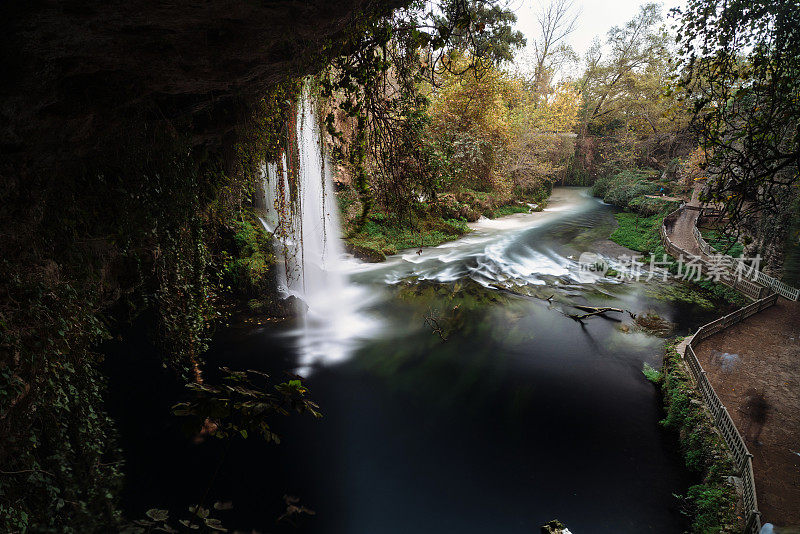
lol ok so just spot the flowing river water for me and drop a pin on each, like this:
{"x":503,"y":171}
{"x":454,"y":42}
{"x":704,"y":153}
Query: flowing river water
{"x":450,"y":405}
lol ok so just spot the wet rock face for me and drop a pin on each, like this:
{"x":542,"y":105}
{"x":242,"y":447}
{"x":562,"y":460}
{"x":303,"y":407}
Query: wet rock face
{"x":74,"y":71}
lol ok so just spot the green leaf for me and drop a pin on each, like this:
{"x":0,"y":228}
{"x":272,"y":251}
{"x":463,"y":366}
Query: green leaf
{"x":215,"y":524}
{"x":188,"y":524}
{"x":157,"y":515}
{"x":199,"y":511}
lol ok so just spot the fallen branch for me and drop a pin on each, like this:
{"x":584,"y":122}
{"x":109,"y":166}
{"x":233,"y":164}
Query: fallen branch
{"x":433,"y":322}
{"x":592,"y":311}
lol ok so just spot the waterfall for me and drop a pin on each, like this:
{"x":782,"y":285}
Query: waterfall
{"x":308,"y":232}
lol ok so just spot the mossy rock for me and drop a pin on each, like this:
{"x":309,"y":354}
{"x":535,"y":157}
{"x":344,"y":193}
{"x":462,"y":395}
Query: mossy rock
{"x":654,"y":324}
{"x":367,"y":253}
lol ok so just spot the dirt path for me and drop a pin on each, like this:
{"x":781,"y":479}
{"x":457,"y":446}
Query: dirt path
{"x":682,"y":232}
{"x":660,"y":197}
{"x":755,"y":369}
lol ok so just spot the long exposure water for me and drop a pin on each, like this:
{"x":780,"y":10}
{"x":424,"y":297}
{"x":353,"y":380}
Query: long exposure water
{"x":461,"y":408}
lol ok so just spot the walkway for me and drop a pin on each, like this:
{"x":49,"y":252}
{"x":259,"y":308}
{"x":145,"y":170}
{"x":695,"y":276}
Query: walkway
{"x":754,"y":367}
{"x":682,"y":231}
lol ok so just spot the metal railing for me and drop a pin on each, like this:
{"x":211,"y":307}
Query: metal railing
{"x":722,"y":419}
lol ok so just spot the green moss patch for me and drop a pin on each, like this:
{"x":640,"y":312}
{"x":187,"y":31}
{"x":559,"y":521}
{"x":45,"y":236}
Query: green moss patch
{"x":511,"y":210}
{"x":379,"y":238}
{"x":638,"y":232}
{"x":711,"y":503}
{"x":723,"y":243}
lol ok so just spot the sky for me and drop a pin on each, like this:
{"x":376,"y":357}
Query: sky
{"x":595,"y":19}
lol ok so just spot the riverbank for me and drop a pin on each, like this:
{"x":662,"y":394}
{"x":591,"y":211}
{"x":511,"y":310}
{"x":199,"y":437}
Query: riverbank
{"x":641,"y":233}
{"x":712,"y":501}
{"x":428,"y":225}
{"x":379,"y":238}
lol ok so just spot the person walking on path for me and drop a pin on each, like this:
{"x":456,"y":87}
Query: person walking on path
{"x":756,"y":409}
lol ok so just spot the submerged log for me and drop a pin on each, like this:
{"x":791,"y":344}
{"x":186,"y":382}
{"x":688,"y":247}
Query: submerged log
{"x":591,"y":311}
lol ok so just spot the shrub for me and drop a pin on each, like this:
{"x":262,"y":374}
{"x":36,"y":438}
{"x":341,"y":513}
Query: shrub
{"x":621,"y":188}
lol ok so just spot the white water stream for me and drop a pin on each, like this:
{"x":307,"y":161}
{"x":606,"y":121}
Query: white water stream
{"x":313,"y":267}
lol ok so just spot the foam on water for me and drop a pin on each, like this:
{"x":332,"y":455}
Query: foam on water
{"x":503,"y":250}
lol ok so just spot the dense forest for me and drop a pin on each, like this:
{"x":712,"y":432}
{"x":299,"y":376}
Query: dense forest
{"x":133,"y":148}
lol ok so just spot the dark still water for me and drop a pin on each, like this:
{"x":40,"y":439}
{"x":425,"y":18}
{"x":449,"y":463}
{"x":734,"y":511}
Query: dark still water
{"x":449,"y":406}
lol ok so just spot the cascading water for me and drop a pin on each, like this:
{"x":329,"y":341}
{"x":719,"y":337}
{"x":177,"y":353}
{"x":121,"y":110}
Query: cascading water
{"x":307,"y":228}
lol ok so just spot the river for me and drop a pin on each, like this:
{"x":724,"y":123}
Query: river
{"x":449,"y":405}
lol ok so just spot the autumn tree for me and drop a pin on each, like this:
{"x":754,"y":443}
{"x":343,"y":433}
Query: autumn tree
{"x":470,"y":125}
{"x":555,"y":21}
{"x":498,"y":135}
{"x":630,"y":116}
{"x":381,"y":91}
{"x":542,"y":138}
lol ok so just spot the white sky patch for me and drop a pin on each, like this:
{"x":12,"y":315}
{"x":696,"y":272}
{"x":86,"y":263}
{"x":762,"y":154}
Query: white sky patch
{"x":595,"y":19}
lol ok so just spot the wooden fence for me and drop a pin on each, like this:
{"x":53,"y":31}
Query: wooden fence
{"x":722,"y":275}
{"x":722,"y":419}
{"x":705,"y":248}
{"x":741,"y":456}
{"x":760,"y":278}
{"x":779,"y":287}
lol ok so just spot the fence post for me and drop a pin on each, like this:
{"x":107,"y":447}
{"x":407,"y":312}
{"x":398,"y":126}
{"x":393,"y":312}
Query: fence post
{"x":721,"y":411}
{"x":702,"y":392}
{"x":747,"y":457}
{"x":752,"y":521}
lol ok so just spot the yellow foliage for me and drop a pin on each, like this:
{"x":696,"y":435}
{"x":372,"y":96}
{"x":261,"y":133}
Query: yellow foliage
{"x":694,"y":165}
{"x":498,"y":135}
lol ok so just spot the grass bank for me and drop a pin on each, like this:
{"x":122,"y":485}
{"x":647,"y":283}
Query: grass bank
{"x":379,"y":238}
{"x":711,"y":503}
{"x":428,"y":224}
{"x":638,"y":232}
